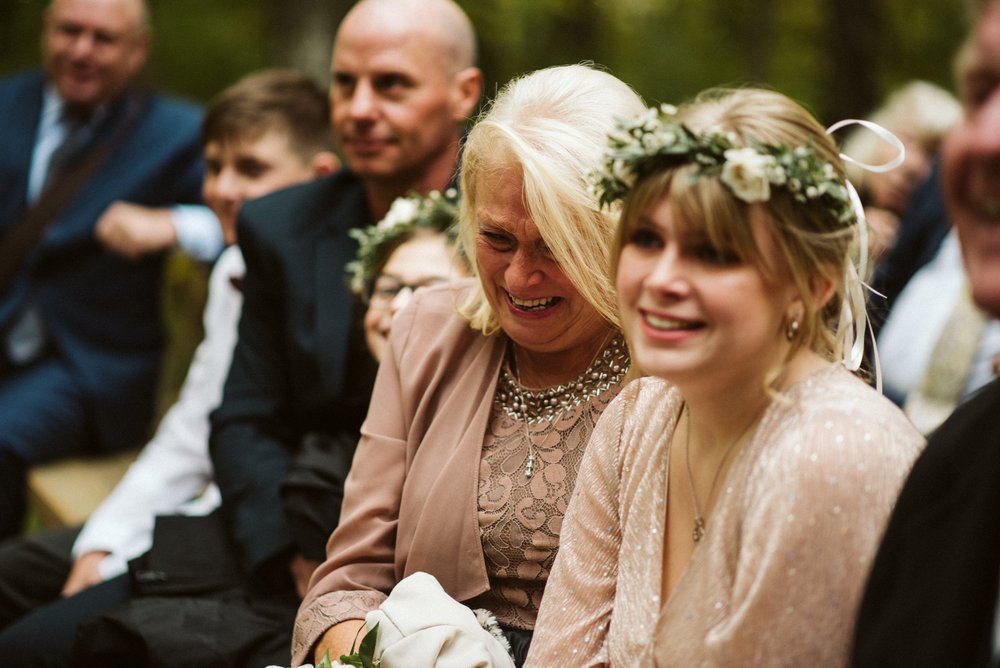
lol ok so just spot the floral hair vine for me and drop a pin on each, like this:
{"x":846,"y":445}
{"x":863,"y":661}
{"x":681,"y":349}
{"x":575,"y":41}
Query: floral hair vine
{"x":437,"y":212}
{"x":656,"y":140}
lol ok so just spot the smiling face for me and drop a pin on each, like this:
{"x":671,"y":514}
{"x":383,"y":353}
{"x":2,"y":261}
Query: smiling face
{"x":535,"y":303}
{"x":395,"y":101}
{"x":971,"y":163}
{"x":92,"y":49}
{"x":240,"y":169}
{"x":694,"y":313}
{"x":426,"y":259}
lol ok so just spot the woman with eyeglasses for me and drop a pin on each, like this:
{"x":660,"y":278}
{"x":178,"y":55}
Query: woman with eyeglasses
{"x":412,"y":247}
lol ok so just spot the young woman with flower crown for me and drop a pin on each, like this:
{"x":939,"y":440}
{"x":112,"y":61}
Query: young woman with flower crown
{"x":729,"y":504}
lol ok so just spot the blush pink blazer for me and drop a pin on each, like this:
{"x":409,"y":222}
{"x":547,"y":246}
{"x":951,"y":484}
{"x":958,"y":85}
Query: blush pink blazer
{"x":410,"y":502}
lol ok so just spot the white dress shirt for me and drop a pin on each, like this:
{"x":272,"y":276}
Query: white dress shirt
{"x":918,"y":317}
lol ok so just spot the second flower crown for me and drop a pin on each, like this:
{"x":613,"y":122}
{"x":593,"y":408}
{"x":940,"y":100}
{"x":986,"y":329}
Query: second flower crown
{"x":408,"y":214}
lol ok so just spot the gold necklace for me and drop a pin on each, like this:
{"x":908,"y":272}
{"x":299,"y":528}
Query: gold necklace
{"x":529,"y":464}
{"x":699,"y":520}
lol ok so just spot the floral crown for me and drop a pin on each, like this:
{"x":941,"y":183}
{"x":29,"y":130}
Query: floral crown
{"x":656,"y":140}
{"x":412,"y":212}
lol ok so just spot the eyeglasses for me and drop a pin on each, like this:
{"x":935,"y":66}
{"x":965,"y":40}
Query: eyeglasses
{"x":386,"y":287}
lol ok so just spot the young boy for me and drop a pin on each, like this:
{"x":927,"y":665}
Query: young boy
{"x":268,"y":131}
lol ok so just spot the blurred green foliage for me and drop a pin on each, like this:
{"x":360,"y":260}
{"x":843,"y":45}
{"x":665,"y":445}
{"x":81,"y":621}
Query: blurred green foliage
{"x":667,"y":49}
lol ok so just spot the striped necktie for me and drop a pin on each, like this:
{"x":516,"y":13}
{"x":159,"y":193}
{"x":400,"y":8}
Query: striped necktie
{"x":77,"y":134}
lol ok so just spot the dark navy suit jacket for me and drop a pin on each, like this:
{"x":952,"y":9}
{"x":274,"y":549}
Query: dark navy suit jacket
{"x":101,"y":311}
{"x":300,"y":364}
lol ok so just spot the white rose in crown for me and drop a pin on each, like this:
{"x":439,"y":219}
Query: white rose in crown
{"x":746,"y":173}
{"x":403,"y":210}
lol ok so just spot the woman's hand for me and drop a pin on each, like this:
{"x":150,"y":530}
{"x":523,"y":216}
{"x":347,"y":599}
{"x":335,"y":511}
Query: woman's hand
{"x":339,"y":639}
{"x":85,"y":572}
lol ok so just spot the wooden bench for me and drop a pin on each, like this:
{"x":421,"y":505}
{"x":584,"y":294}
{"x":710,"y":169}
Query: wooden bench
{"x":64,"y":493}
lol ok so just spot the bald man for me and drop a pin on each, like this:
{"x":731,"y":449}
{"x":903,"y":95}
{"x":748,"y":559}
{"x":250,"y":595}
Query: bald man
{"x":80,"y":336}
{"x":932,"y":596}
{"x":403,"y":82}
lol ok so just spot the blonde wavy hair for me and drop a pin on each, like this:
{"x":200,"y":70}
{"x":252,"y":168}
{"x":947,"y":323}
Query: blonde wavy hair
{"x":812,"y":244}
{"x":551,"y":127}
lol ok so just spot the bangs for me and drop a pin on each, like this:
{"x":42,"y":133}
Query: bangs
{"x":705,"y":209}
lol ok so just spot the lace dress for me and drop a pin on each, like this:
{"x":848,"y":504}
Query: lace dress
{"x":776,"y":579}
{"x":520,"y":516}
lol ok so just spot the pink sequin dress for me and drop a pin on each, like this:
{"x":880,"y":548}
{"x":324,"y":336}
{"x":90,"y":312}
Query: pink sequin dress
{"x":775,"y":581}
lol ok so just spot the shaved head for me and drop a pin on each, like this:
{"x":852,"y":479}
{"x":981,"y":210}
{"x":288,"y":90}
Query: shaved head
{"x":403,"y":82}
{"x":442,"y":21}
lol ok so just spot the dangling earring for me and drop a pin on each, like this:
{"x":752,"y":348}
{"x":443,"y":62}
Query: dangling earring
{"x":791,"y":329}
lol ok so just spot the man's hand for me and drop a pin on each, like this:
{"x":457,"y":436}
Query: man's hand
{"x":84,"y":573}
{"x":133,"y":231}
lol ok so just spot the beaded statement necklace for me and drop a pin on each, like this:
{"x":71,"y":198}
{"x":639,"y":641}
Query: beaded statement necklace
{"x":608,"y":367}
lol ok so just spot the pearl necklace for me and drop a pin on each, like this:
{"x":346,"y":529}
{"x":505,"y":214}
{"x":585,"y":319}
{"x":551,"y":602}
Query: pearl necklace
{"x":608,"y":367}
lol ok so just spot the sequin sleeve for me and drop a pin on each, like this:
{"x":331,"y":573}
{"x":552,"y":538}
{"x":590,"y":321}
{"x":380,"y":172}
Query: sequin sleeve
{"x":576,"y":608}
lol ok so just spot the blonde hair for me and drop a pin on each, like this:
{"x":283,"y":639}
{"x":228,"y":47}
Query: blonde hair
{"x":551,"y":127}
{"x":811,"y":243}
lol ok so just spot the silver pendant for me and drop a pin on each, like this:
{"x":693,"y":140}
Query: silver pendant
{"x":529,"y":466}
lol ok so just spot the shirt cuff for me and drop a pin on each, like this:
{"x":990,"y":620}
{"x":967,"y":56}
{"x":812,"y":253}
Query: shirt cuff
{"x":199,"y":233}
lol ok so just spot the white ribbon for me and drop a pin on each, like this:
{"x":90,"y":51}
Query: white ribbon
{"x":853,"y":316}
{"x":884,"y":134}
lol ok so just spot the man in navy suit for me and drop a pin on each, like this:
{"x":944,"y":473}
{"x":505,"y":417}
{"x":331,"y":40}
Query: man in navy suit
{"x":404,"y":81}
{"x":80,"y":337}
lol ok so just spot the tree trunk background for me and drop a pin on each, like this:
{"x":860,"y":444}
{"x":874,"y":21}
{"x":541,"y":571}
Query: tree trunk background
{"x":854,"y":29}
{"x":302,"y":34}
